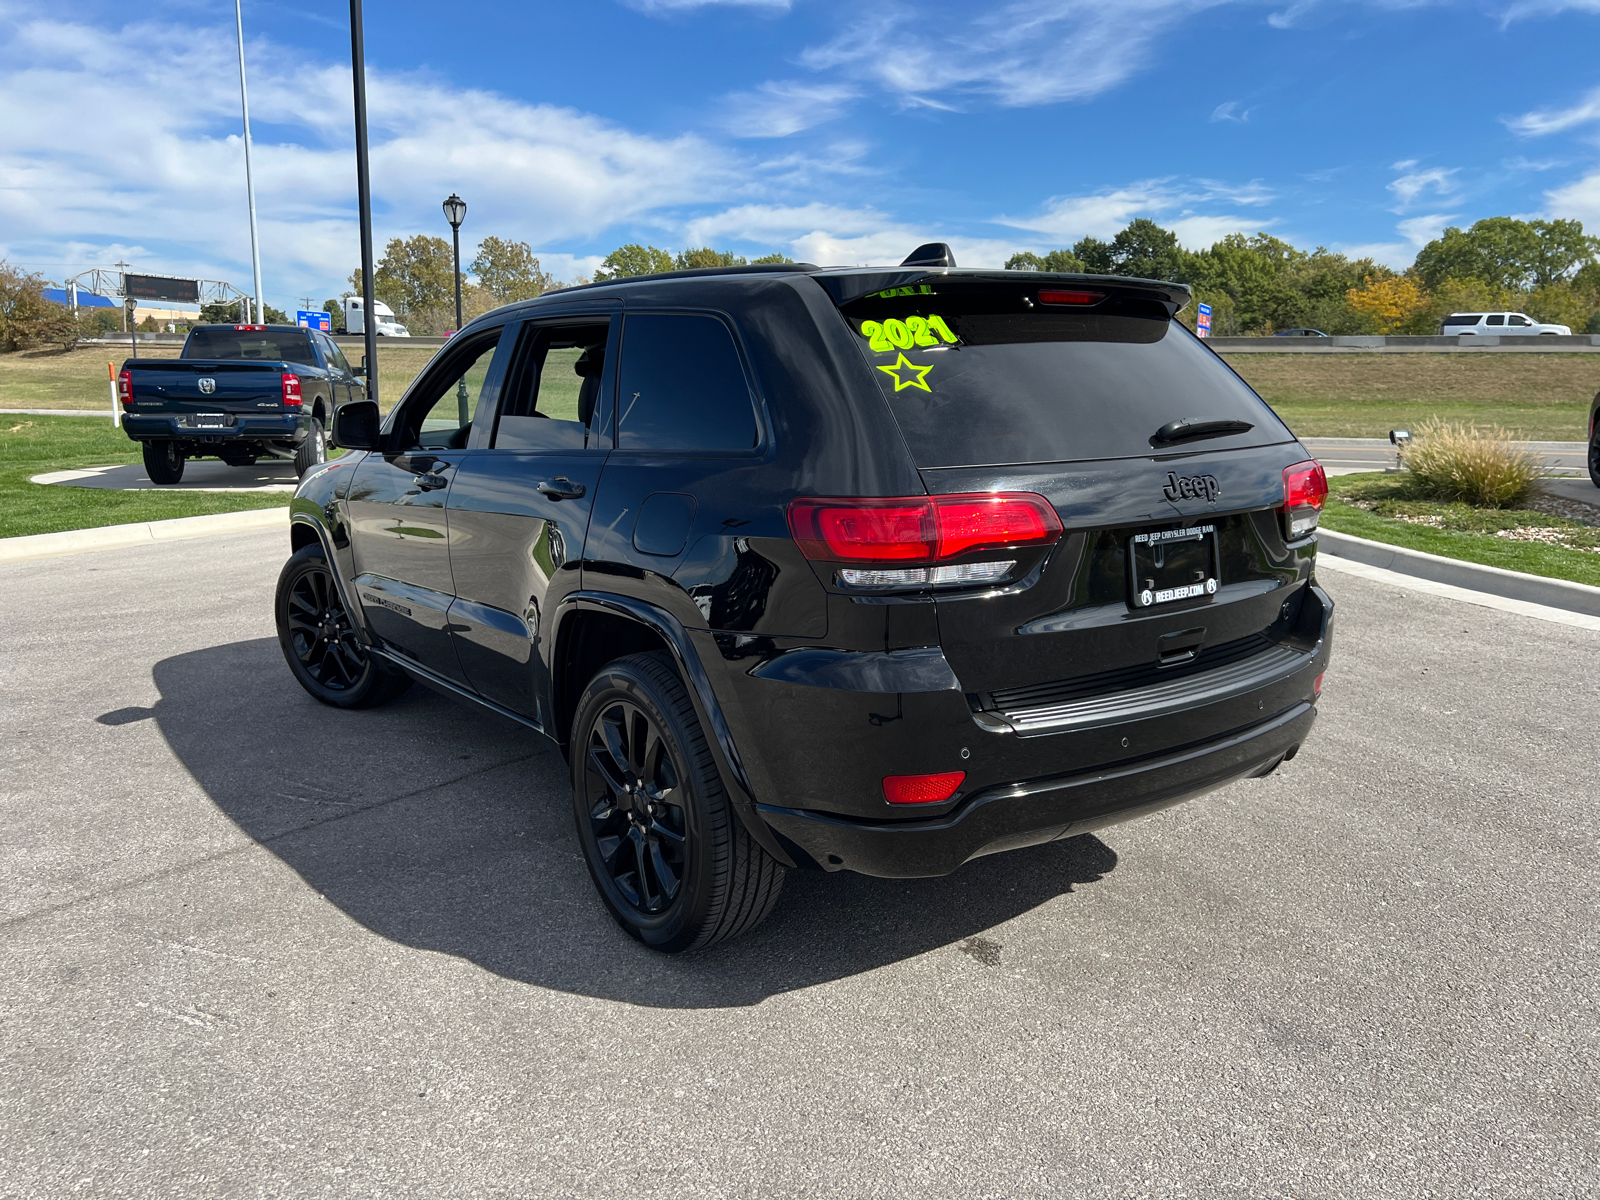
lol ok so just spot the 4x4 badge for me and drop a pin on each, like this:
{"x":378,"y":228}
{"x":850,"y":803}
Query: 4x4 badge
{"x":1192,"y":487}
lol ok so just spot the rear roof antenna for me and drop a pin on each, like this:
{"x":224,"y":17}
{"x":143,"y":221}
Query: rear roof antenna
{"x":931,"y":254}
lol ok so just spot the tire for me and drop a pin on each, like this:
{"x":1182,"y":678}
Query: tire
{"x":316,"y":635}
{"x":1594,"y":457}
{"x":162,"y":462}
{"x":668,"y":855}
{"x":313,"y":452}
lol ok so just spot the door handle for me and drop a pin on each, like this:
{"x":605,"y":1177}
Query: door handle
{"x":560,"y":488}
{"x":430,"y":483}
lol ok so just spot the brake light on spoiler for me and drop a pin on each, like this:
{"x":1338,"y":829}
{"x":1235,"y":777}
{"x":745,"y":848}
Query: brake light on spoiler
{"x":1305,"y":488}
{"x":908,"y":541}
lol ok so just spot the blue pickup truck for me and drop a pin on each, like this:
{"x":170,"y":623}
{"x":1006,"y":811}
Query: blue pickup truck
{"x":240,"y":393}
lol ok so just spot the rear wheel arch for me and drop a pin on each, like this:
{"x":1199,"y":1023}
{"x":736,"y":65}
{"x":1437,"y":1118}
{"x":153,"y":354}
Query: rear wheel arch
{"x":586,"y":640}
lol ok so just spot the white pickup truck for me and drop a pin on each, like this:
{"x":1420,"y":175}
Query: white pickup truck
{"x":1505,"y":324}
{"x":386,"y":325}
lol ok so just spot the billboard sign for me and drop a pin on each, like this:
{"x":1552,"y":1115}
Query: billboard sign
{"x":1202,"y":320}
{"x":317,"y":319}
{"x":161,"y":287}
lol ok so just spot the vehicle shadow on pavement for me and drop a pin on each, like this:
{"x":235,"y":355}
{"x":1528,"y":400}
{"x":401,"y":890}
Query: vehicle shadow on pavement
{"x":446,"y":828}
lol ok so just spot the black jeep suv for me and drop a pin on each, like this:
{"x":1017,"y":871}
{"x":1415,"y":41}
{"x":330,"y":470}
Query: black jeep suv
{"x":874,"y":569}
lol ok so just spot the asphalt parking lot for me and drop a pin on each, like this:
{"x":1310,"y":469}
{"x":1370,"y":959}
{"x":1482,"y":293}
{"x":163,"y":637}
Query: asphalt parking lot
{"x":254,"y":947}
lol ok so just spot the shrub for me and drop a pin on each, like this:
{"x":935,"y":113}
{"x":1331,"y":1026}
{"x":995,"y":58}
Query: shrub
{"x":1480,"y":466}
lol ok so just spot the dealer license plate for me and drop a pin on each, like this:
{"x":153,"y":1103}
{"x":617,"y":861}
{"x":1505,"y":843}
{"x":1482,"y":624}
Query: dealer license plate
{"x":1168,"y":565}
{"x":210,"y":421}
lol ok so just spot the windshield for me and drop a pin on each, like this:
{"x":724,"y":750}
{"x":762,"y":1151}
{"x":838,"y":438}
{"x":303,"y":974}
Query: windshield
{"x":979,"y":373}
{"x":269,"y":345}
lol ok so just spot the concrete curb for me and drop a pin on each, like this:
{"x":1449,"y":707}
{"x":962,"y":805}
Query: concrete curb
{"x":1513,"y":585}
{"x":112,"y":537}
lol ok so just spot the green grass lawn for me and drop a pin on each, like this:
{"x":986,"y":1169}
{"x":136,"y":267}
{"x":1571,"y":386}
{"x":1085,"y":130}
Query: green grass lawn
{"x":1465,"y":533}
{"x":77,"y":379}
{"x":1539,"y":397}
{"x":34,"y":445}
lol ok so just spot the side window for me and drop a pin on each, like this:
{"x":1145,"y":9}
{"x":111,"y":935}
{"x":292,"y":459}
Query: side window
{"x":552,"y":399}
{"x":336,"y":358}
{"x":1496,"y":319}
{"x":439,"y":416}
{"x":682,"y":386}
{"x":1518,"y":319}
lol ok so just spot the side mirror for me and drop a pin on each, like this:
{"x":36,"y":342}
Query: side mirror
{"x":360,"y":371}
{"x":356,"y":425}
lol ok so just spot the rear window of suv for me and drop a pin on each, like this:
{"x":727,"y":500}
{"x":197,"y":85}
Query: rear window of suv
{"x":982,"y":373}
{"x":1463,"y":318}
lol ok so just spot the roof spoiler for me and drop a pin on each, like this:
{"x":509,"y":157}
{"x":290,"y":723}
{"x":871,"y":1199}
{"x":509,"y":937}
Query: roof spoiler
{"x":852,"y":284}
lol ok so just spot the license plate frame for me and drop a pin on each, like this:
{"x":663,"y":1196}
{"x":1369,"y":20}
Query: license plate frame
{"x":209,"y":421}
{"x":1171,"y":566}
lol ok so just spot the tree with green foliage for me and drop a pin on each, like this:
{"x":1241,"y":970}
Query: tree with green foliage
{"x":633,"y":259}
{"x":1061,"y":261}
{"x":25,"y":314}
{"x":692,"y":260}
{"x":1507,"y":253}
{"x":508,"y":271}
{"x":770,"y":260}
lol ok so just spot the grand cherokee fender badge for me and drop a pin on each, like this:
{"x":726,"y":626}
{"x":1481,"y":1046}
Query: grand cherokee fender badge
{"x":1192,"y":487}
{"x":369,"y":598}
{"x":207,"y":386}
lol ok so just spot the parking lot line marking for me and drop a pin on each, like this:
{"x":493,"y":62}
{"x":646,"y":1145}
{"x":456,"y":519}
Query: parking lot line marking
{"x":1541,"y":612}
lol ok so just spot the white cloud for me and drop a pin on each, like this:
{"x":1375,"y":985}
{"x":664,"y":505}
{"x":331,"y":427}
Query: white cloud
{"x":1231,"y":110}
{"x":783,"y":107}
{"x":1396,"y":255}
{"x":1537,"y":124}
{"x":1408,"y":188}
{"x":1419,"y":231}
{"x":667,"y":6}
{"x":167,"y":173}
{"x":1026,"y":52}
{"x":1102,"y":214}
{"x":1579,"y":200}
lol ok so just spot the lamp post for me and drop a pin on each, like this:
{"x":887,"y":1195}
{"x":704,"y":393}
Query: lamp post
{"x":455,"y":211}
{"x":249,"y":181}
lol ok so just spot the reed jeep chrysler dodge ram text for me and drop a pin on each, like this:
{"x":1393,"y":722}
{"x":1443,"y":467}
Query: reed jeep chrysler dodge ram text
{"x":873,"y":569}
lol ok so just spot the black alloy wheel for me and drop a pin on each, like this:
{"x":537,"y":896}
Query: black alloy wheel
{"x":162,"y":462}
{"x":636,"y":813}
{"x":672,"y":861}
{"x":320,"y":641}
{"x":1594,"y":458}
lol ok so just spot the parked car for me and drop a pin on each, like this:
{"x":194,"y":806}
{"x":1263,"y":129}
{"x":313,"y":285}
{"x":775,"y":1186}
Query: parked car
{"x":386,"y":325}
{"x":239,"y":392}
{"x":1594,"y":440}
{"x":1505,"y":324}
{"x":868,"y":569}
{"x":1299,"y":333}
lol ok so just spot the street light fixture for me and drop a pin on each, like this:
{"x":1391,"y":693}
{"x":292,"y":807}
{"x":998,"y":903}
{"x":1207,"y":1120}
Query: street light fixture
{"x":455,"y":211}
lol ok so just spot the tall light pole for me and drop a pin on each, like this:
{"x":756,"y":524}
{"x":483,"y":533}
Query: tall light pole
{"x":358,"y":61}
{"x":249,"y":182}
{"x":455,"y":211}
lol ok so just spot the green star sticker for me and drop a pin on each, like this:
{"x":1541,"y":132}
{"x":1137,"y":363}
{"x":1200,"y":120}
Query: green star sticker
{"x":905,"y":364}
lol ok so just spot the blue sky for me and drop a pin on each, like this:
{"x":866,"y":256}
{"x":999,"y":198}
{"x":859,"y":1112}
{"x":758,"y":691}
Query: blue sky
{"x":836,"y":132}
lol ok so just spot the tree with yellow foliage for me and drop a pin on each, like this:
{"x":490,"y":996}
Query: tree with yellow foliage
{"x":1394,"y":303}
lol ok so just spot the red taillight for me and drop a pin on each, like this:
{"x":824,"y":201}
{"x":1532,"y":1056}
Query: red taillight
{"x":920,"y":528}
{"x":1063,"y":296}
{"x":1305,"y":487}
{"x":291,"y":390}
{"x":1316,"y":686}
{"x":921,"y":789}
{"x":125,"y":388}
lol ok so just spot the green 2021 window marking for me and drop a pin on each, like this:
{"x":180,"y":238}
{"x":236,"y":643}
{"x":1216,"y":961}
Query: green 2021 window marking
{"x":895,"y":334}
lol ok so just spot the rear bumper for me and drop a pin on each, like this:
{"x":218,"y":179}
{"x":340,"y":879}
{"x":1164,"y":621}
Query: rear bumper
{"x":247,"y":427}
{"x":1040,"y":810}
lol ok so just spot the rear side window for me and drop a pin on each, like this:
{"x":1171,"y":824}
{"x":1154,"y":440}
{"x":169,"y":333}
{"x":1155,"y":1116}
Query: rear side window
{"x":682,"y":386}
{"x":269,"y":345}
{"x":1497,"y":319}
{"x":979,"y":373}
{"x":1463,"y":319}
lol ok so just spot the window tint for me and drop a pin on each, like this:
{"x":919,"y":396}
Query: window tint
{"x":439,"y":417}
{"x":1463,"y":319}
{"x":1518,"y":319}
{"x":266,"y":345}
{"x":336,"y":357}
{"x":987,"y":374}
{"x":1497,"y":319}
{"x":682,"y":386}
{"x":552,"y":398}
